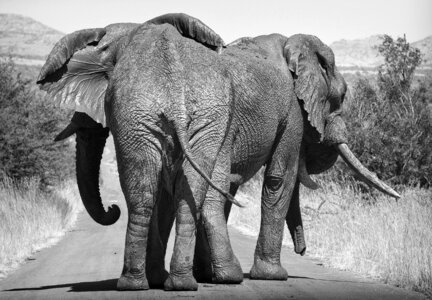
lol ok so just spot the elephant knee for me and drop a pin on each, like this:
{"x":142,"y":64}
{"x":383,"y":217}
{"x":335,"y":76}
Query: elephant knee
{"x":273,"y":182}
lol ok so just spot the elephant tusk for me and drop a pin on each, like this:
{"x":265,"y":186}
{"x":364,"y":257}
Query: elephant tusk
{"x":369,"y":177}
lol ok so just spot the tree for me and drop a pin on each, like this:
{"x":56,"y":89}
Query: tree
{"x":28,"y":126}
{"x":395,"y":76}
{"x":391,"y":121}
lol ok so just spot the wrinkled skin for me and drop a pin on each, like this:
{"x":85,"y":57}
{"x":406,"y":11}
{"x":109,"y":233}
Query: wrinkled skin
{"x":179,"y":113}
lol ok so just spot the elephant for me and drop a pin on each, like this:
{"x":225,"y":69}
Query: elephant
{"x":317,"y":90}
{"x":186,"y":120}
{"x":77,"y":74}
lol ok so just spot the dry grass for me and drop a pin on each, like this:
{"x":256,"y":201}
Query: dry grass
{"x":31,"y":219}
{"x":374,"y":236}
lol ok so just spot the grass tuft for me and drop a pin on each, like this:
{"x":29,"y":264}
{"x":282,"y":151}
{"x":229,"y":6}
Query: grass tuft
{"x":31,"y":219}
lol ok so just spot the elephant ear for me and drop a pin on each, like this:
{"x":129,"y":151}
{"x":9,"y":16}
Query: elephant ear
{"x":312,"y":65}
{"x":75,"y":73}
{"x":191,"y":27}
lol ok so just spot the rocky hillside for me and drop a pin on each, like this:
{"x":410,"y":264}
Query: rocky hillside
{"x":27,"y":40}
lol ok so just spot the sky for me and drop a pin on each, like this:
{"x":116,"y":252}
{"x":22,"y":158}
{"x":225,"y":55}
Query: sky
{"x":330,"y":20}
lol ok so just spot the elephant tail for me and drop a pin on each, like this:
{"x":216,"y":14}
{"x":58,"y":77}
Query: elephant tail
{"x":176,"y":111}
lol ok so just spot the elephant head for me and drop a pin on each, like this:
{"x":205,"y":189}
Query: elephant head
{"x":321,"y":90}
{"x":76,"y":75}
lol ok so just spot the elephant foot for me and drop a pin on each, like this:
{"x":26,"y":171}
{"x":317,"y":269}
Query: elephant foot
{"x":156,"y":277}
{"x":267,"y":271}
{"x":180,"y":283}
{"x":132,"y":283}
{"x":232,"y":273}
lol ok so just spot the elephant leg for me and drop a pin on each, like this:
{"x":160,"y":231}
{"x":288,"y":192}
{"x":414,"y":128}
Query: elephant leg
{"x":202,"y":269}
{"x":279,"y":180}
{"x":226,"y":267}
{"x":295,"y":223}
{"x":161,"y":224}
{"x":189,"y":192}
{"x":140,"y":180}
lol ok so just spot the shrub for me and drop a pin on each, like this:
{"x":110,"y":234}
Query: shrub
{"x":29,"y":123}
{"x":391,"y":119}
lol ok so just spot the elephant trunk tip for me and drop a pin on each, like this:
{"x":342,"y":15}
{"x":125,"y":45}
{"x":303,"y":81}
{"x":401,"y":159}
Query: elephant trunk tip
{"x":301,"y":251}
{"x":111,"y":216}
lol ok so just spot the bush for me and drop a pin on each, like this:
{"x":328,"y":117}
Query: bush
{"x":391,"y":119}
{"x":29,"y":124}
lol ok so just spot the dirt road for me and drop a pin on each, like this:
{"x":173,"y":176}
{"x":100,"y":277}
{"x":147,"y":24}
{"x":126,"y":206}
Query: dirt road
{"x":86,"y":263}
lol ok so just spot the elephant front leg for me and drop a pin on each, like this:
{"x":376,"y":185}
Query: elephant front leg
{"x":279,"y":181}
{"x":267,"y":252}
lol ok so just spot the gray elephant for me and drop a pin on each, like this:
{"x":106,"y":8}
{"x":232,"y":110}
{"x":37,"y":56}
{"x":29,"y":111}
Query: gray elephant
{"x":307,"y":139}
{"x":181,"y":113}
{"x":82,"y":69}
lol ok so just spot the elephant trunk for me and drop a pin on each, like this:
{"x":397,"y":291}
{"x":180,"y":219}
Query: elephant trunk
{"x":89,"y":148}
{"x":295,"y":222}
{"x":90,"y":142}
{"x":364,"y":173}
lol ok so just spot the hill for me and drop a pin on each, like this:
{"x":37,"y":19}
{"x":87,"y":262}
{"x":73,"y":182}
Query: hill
{"x":27,"y":40}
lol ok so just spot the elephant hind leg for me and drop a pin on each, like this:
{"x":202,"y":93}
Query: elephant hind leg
{"x":186,"y":193}
{"x":161,"y":224}
{"x":140,"y":175}
{"x":279,"y":181}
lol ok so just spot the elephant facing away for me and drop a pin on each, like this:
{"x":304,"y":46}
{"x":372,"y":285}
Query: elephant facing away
{"x":181,"y":113}
{"x":96,"y":68}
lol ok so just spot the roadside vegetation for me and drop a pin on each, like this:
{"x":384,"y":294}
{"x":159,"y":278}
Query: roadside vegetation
{"x":38,"y":202}
{"x":347,"y":224}
{"x":32,"y":219}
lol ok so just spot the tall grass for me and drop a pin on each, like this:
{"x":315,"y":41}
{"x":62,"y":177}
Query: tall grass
{"x":374,"y":235}
{"x":31,"y":219}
